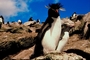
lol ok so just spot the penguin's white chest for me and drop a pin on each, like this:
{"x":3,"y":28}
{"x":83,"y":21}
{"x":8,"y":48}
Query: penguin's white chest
{"x":51,"y":37}
{"x":0,"y":19}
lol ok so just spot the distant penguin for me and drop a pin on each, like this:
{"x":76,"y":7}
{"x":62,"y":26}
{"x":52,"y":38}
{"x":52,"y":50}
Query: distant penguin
{"x":47,"y":39}
{"x":73,"y":16}
{"x":38,"y":20}
{"x":19,"y":22}
{"x":1,"y":21}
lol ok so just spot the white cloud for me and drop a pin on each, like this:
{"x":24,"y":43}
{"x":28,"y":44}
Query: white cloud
{"x":21,"y":6}
{"x":11,"y":8}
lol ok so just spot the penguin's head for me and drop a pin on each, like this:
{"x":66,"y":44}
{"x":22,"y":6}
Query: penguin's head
{"x":54,"y":9}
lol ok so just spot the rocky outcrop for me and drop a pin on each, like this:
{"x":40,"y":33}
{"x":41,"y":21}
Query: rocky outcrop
{"x":58,"y":56}
{"x":14,"y":46}
{"x":15,"y":29}
{"x":29,"y":23}
{"x":17,"y":42}
{"x":82,"y":23}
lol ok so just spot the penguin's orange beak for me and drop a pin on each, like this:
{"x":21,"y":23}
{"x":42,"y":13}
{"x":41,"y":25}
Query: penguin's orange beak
{"x":56,"y":10}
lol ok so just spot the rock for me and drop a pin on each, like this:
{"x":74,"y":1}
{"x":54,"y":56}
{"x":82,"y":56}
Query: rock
{"x":29,"y":23}
{"x":25,"y":54}
{"x":17,"y":41}
{"x":58,"y":56}
{"x":14,"y":46}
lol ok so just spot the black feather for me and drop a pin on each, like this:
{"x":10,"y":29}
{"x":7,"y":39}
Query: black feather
{"x":56,"y":6}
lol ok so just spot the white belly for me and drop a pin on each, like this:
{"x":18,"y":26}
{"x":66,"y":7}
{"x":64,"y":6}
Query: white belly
{"x":51,"y":37}
{"x":0,"y":19}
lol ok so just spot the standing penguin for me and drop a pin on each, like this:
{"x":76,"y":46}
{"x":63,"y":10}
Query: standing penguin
{"x":1,"y":21}
{"x":47,"y":39}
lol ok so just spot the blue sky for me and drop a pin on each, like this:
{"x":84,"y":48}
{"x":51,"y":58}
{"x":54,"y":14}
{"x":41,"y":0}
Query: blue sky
{"x":13,"y":10}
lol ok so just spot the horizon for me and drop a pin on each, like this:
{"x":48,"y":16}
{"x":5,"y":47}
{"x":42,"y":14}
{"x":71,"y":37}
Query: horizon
{"x":13,"y":10}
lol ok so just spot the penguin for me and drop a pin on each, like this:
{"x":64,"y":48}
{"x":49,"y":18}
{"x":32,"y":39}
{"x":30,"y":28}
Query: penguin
{"x":48,"y":37}
{"x":19,"y":22}
{"x":1,"y":21}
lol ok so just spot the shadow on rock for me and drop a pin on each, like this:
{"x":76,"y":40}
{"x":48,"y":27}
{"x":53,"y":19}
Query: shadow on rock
{"x":79,"y":52}
{"x":12,"y":47}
